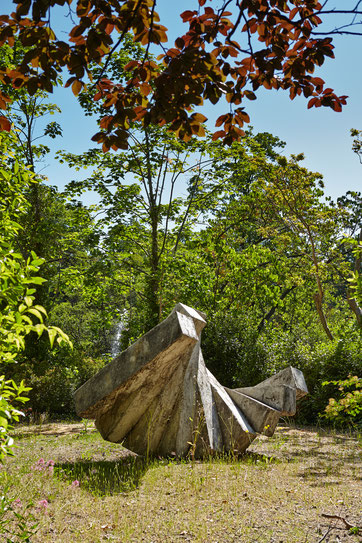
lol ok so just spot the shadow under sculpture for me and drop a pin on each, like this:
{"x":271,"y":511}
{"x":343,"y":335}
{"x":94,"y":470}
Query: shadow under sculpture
{"x":158,"y":397}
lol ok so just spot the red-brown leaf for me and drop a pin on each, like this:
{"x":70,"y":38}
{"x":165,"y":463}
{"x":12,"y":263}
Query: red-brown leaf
{"x":5,"y":124}
{"x":188,"y":15}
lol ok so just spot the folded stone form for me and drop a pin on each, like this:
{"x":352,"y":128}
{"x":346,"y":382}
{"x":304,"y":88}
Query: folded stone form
{"x":158,"y":397}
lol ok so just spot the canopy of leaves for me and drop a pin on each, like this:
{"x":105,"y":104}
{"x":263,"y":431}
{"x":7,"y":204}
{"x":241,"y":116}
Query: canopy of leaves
{"x":228,"y":52}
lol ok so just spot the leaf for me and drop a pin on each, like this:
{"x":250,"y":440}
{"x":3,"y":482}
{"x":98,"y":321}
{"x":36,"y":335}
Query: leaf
{"x":5,"y":124}
{"x":314,"y":102}
{"x":3,"y":422}
{"x":28,"y":300}
{"x":218,"y":134}
{"x":35,"y":280}
{"x":32,"y":86}
{"x":35,"y":312}
{"x":198,"y":117}
{"x":145,"y":89}
{"x":250,"y":95}
{"x":187,"y":15}
{"x":52,"y":335}
{"x":179,"y":43}
{"x":77,"y":87}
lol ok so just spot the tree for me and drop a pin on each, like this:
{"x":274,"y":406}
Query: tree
{"x":294,"y":196}
{"x":143,"y":218}
{"x":25,"y":111}
{"x":145,"y":223}
{"x":28,"y":117}
{"x":275,"y":44}
{"x":351,"y":203}
{"x":273,"y":241}
{"x":357,"y":143}
{"x":19,"y":315}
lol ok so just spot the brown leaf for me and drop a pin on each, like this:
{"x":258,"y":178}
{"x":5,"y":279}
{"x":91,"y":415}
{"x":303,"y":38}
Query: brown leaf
{"x":5,"y":124}
{"x":218,"y":134}
{"x":198,"y":117}
{"x":312,"y":102}
{"x":77,"y":87}
{"x":179,"y":43}
{"x":187,"y":15}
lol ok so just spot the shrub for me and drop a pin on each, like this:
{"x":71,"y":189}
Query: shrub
{"x":54,"y":383}
{"x":346,"y":410}
{"x":238,"y":356}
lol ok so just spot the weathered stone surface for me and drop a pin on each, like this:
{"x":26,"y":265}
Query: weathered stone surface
{"x":162,"y":346}
{"x":262,"y":417}
{"x":158,"y":397}
{"x":281,"y":391}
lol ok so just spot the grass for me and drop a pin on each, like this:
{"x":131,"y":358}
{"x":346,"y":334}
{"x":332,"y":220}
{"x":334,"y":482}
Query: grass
{"x":98,"y":491}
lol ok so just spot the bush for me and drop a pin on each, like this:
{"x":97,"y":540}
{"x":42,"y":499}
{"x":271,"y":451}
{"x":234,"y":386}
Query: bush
{"x":346,"y":410}
{"x":232,"y":351}
{"x":53,"y":383}
{"x":238,"y":356}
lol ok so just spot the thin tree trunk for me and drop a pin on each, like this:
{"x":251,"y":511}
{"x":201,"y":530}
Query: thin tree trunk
{"x":319,"y":295}
{"x":352,"y":302}
{"x":318,"y":299}
{"x":357,"y":310}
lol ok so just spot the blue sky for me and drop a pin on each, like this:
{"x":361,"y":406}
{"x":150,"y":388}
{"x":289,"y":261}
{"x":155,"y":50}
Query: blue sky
{"x":321,"y":134}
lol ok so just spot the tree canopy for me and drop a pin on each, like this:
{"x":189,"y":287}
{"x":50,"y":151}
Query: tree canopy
{"x":230,"y":51}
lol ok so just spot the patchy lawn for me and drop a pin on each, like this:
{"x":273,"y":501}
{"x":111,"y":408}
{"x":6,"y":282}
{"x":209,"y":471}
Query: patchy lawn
{"x":301,"y":485}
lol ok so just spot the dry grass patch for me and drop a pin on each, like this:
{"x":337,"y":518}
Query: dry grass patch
{"x":277,"y":492}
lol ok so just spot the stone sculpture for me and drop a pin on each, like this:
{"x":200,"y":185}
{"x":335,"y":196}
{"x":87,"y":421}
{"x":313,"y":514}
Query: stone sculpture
{"x":158,"y":397}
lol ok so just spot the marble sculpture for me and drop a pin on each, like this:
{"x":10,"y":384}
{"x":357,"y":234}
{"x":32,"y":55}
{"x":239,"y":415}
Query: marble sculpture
{"x":158,"y":397}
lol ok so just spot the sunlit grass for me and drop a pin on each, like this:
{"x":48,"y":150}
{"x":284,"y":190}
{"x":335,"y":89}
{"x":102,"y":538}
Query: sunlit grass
{"x":79,"y":488}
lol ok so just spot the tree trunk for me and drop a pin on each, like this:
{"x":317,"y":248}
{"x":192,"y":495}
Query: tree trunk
{"x":357,"y":310}
{"x":352,"y":302}
{"x":154,"y":277}
{"x":318,"y":298}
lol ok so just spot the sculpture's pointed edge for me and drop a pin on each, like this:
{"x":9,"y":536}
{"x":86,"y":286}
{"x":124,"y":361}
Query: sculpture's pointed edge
{"x":261,"y":416}
{"x":102,"y":387}
{"x":198,"y":317}
{"x":281,"y":391}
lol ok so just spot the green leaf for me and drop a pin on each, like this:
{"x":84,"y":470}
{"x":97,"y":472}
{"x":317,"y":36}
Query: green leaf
{"x":35,"y":312}
{"x":52,"y":335}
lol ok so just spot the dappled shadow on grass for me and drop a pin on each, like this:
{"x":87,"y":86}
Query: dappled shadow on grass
{"x":325,"y":484}
{"x":264,"y":460}
{"x":321,"y":455}
{"x":108,"y":477}
{"x":105,"y":477}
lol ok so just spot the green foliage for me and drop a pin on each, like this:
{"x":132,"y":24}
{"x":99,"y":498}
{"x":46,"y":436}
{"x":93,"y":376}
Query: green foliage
{"x":240,"y":356}
{"x":26,"y":113}
{"x":347,"y":409}
{"x":252,"y":242}
{"x":10,"y":392}
{"x":357,"y":142}
{"x":232,"y":351}
{"x":355,"y":279}
{"x":19,"y":315}
{"x":143,"y":220}
{"x":18,"y":276}
{"x":53,"y":385}
{"x":263,"y":249}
